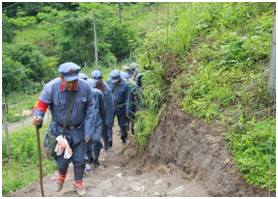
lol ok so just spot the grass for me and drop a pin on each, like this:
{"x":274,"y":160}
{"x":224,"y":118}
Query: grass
{"x":32,"y":34}
{"x":16,"y":108}
{"x":228,"y":74}
{"x":22,"y":168}
{"x":251,"y":146}
{"x":147,"y":18}
{"x":224,"y":72}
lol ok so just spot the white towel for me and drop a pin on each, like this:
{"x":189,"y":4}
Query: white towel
{"x":61,"y":146}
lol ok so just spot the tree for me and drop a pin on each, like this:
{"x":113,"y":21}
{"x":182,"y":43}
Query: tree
{"x":48,"y":18}
{"x":36,"y":65}
{"x":122,"y":43}
{"x":76,"y":36}
{"x":13,"y":76}
{"x":8,"y":33}
{"x":30,"y":8}
{"x":23,"y":22}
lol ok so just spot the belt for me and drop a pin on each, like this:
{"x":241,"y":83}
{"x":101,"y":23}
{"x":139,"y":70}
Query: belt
{"x":115,"y":103}
{"x":68,"y":127}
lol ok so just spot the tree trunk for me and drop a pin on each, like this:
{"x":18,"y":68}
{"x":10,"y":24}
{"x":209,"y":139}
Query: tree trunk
{"x":5,"y":96}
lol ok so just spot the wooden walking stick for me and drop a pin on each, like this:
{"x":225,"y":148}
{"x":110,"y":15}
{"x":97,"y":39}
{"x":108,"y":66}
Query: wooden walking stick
{"x":40,"y":159}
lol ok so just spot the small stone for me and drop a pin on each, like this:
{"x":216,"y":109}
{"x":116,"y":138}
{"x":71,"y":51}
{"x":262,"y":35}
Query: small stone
{"x":227,"y":160}
{"x":127,"y":188}
{"x":130,"y":178}
{"x":137,"y":186}
{"x":176,"y":191}
{"x":142,"y":188}
{"x":158,"y":194}
{"x":95,"y":193}
{"x":169,"y":184}
{"x":160,"y":181}
{"x":107,"y":184}
{"x":145,"y":181}
{"x":116,"y":167}
{"x":120,"y":175}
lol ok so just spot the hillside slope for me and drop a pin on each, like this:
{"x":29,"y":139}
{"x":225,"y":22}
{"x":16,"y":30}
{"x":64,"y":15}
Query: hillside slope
{"x":198,"y":152}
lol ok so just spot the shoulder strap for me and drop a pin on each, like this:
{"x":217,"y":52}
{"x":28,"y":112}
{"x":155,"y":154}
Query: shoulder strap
{"x":68,"y":113}
{"x":103,"y":90}
{"x":115,"y":88}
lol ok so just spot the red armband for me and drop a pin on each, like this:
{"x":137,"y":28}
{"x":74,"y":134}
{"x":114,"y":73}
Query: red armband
{"x":40,"y":105}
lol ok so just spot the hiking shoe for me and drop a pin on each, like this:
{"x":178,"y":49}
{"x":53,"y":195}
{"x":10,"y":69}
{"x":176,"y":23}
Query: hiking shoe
{"x":123,"y":138}
{"x":96,"y":163}
{"x":88,"y":168}
{"x":79,"y":188}
{"x":59,"y":182}
{"x":106,"y":153}
{"x":110,"y":144}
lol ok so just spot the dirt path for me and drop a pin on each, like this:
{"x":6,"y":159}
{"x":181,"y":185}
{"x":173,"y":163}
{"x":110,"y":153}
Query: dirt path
{"x":13,"y":126}
{"x":116,"y":179}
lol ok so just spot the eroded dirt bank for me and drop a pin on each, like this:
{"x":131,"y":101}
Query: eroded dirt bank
{"x":196,"y":150}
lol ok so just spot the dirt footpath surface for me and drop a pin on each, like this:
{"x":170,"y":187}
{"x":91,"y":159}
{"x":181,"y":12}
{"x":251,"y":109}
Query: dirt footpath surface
{"x":118,"y":180}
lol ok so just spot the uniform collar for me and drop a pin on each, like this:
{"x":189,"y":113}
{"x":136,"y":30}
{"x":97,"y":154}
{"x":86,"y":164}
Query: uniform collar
{"x":62,"y":88}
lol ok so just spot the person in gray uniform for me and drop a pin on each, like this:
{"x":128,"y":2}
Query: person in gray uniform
{"x":135,"y":72}
{"x":96,"y":142}
{"x":83,"y":76}
{"x":122,"y":96}
{"x":81,"y":124}
{"x":97,"y":77}
{"x":135,"y":100}
{"x":89,"y":150}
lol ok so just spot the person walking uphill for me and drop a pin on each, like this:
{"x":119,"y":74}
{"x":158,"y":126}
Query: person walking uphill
{"x":97,"y":76}
{"x":96,"y":143}
{"x":80,"y":126}
{"x":122,"y":100}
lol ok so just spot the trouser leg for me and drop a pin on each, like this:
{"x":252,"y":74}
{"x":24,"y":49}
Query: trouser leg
{"x":128,"y":123}
{"x":96,"y":153}
{"x":123,"y":125}
{"x":124,"y":134}
{"x":89,"y":152}
{"x":110,"y":134}
{"x":97,"y":144}
{"x":78,"y":172}
{"x":79,"y":159}
{"x":105,"y":136}
{"x":63,"y":171}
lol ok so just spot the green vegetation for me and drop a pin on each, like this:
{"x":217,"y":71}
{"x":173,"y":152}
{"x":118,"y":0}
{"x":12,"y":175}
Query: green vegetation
{"x":14,"y":107}
{"x":154,"y":104}
{"x":22,"y":168}
{"x":212,"y":57}
{"x":223,"y":52}
{"x":251,"y":144}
